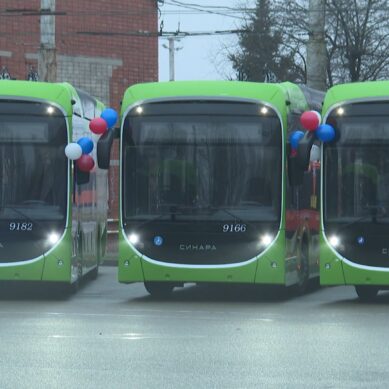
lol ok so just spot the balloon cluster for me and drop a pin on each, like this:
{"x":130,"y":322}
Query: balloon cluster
{"x":79,"y":151}
{"x":311,"y":121}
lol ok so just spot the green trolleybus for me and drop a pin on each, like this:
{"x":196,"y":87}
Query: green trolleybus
{"x":52,"y":217}
{"x":204,"y":191}
{"x":355,"y":211}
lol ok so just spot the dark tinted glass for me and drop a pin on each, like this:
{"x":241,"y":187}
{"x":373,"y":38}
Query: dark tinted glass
{"x":356,"y":183}
{"x":202,"y":167}
{"x":33,"y":165}
{"x":357,"y":164}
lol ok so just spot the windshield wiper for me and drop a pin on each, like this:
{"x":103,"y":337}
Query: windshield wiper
{"x":173,"y":211}
{"x":176,"y":209}
{"x":374,"y":210}
{"x":373,"y":215}
{"x":22,"y":214}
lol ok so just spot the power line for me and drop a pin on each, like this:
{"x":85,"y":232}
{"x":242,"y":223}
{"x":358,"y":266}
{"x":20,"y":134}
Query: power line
{"x":166,"y":34}
{"x":201,"y":9}
{"x":189,"y":9}
{"x":145,"y":33}
{"x":222,"y":7}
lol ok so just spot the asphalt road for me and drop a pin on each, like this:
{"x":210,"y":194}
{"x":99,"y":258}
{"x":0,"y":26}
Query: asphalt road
{"x":110,"y":335}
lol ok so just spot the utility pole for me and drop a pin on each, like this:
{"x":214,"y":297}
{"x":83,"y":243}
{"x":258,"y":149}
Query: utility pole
{"x":316,"y":48}
{"x":172,"y":50}
{"x":47,"y":59}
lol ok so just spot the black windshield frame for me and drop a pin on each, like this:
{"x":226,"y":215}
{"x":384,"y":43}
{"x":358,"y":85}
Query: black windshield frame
{"x":359,"y":150}
{"x":213,"y":212}
{"x":34,"y":177}
{"x":33,"y":138}
{"x":356,"y":182}
{"x":202,"y":112}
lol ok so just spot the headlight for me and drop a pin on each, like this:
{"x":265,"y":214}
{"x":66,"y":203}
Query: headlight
{"x":266,"y":239}
{"x":53,"y":238}
{"x":133,"y":238}
{"x":334,"y":241}
{"x":340,"y":111}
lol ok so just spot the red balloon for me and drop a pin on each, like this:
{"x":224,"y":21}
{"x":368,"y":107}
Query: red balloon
{"x":85,"y":163}
{"x":98,"y":126}
{"x":310,"y":120}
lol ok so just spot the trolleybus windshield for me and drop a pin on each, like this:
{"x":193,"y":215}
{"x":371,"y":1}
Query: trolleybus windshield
{"x":356,"y":180}
{"x":33,"y":178}
{"x":33,"y":167}
{"x":216,"y":170}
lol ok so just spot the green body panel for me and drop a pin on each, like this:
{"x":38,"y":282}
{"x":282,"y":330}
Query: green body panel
{"x":331,"y":267}
{"x":59,"y":94}
{"x":271,"y":267}
{"x":355,"y":91}
{"x":274,"y":94}
{"x":356,"y":276}
{"x":26,"y":272}
{"x":129,"y":264}
{"x":46,"y":268}
{"x":241,"y":274}
{"x":333,"y":270}
{"x":283,"y":98}
{"x":52,"y":271}
{"x":133,"y":269}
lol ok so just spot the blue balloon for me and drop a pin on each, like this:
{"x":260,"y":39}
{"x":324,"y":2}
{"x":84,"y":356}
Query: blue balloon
{"x":86,"y":144}
{"x":295,"y":138}
{"x":325,"y":132}
{"x":110,"y":116}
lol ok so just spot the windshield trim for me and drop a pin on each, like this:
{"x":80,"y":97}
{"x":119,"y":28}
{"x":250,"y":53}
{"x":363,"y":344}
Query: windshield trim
{"x":350,"y":263}
{"x":220,"y":99}
{"x":325,"y":117}
{"x":69,"y":174}
{"x":40,"y":257}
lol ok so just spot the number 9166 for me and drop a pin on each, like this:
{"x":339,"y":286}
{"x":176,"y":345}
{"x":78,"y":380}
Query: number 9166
{"x":234,"y":227}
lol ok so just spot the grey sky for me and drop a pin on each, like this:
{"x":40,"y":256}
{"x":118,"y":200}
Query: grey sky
{"x":200,"y":58}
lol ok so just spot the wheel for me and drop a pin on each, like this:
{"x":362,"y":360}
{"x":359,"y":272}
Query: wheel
{"x":304,"y":268}
{"x":159,"y":289}
{"x":366,"y":292}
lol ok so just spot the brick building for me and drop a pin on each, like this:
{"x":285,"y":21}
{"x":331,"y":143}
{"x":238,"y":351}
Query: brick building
{"x":101,"y":46}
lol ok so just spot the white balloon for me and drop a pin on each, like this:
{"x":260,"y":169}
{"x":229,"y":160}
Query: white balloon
{"x":73,"y":151}
{"x":315,"y":153}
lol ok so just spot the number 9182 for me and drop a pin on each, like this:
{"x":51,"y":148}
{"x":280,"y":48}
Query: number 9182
{"x":20,"y":226}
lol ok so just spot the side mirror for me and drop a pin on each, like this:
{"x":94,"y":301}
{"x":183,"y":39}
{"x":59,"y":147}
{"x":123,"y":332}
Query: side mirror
{"x":104,"y":146}
{"x":299,"y":163}
{"x":304,"y":150}
{"x":295,"y":172}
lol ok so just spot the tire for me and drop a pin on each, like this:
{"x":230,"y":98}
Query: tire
{"x":303,"y":282}
{"x":366,"y":292}
{"x":159,"y":289}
